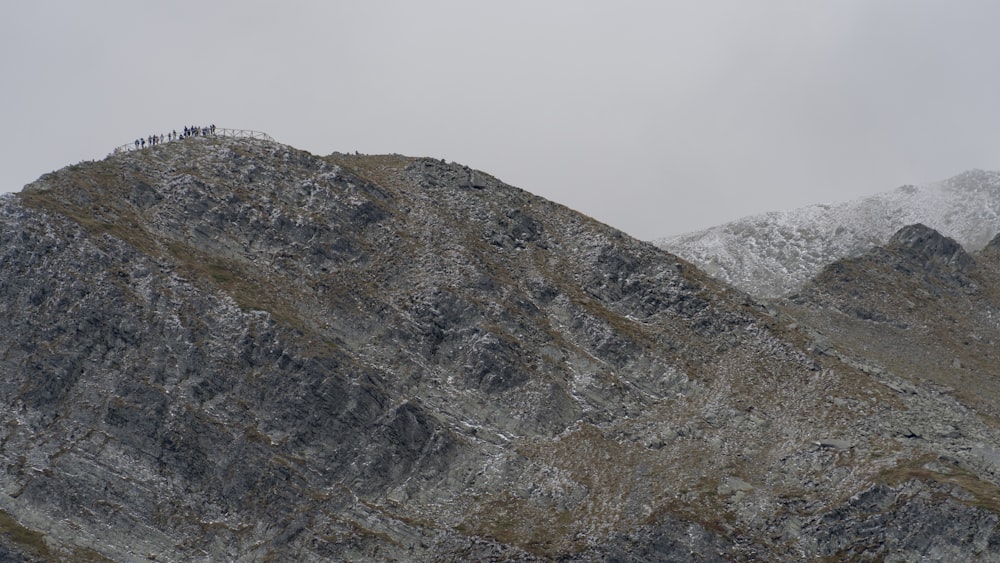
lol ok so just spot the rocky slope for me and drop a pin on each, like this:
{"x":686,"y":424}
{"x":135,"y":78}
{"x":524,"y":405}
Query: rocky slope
{"x":228,"y":349}
{"x":776,"y":253}
{"x":920,"y":307}
{"x":923,"y":316}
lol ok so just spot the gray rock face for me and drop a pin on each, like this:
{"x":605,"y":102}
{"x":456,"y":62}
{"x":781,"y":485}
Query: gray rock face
{"x":228,"y":349}
{"x":884,"y":519}
{"x":933,"y":248}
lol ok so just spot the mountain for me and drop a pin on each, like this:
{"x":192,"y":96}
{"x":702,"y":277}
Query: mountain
{"x":229,"y":349}
{"x":920,"y":307}
{"x":776,"y":253}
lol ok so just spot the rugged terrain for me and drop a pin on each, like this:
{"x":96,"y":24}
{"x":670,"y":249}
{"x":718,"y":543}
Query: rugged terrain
{"x":228,"y":349}
{"x":776,"y":253}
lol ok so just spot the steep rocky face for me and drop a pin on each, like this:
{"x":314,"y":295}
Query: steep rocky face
{"x":228,"y":349}
{"x":929,"y":247}
{"x":775,"y":254}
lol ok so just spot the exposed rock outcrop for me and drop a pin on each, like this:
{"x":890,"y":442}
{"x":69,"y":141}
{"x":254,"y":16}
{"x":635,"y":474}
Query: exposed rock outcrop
{"x":931,"y":247}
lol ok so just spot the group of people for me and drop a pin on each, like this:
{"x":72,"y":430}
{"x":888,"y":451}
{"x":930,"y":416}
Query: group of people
{"x":192,"y":131}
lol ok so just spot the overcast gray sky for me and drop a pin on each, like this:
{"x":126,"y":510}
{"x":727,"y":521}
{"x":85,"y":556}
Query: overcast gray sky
{"x":656,"y":117}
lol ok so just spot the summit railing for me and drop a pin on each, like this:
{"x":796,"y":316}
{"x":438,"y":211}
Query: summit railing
{"x":244,"y":133}
{"x":174,"y":137}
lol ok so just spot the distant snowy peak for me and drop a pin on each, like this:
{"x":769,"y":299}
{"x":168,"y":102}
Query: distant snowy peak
{"x":775,"y":253}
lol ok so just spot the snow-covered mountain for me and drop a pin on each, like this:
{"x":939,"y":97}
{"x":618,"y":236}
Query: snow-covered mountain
{"x":775,"y":253}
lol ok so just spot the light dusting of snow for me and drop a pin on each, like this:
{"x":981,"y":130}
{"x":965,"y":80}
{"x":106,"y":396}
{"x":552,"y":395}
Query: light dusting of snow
{"x":776,"y":253}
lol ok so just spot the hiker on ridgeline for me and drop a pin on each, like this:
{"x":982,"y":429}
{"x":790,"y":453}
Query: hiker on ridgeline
{"x":137,"y":143}
{"x":212,"y":128}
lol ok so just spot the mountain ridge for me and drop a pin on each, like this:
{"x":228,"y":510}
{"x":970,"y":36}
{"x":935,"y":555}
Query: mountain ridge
{"x":773,"y":254}
{"x":232,"y":349}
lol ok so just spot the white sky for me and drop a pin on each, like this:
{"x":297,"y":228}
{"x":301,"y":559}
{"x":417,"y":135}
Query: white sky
{"x":656,"y":117}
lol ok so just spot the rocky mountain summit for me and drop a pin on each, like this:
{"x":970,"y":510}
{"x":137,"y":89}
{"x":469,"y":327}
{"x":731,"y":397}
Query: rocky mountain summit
{"x":774,"y":254}
{"x":229,"y":349}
